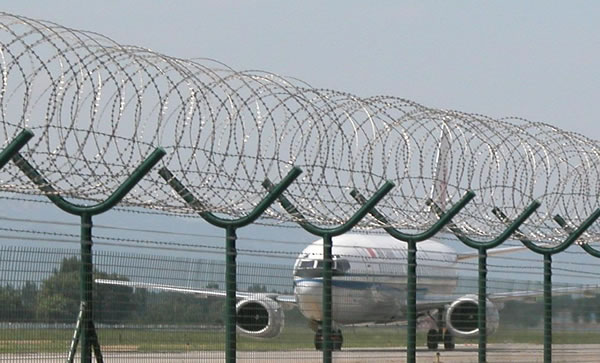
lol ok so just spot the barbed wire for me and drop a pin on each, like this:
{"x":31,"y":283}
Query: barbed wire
{"x":98,"y":109}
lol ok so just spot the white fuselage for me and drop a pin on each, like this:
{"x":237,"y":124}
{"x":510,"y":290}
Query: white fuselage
{"x":369,"y":278}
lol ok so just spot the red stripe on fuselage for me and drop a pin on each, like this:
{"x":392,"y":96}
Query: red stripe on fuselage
{"x":371,"y":252}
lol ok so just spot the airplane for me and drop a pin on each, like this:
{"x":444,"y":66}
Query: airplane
{"x":369,"y":287}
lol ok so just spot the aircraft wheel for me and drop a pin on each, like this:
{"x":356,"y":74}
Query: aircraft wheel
{"x":432,"y":339}
{"x":448,"y":341}
{"x":319,"y":339}
{"x":337,"y":339}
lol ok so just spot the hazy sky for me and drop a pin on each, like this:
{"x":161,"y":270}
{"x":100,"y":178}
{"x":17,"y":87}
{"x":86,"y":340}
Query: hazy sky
{"x":534,"y":59}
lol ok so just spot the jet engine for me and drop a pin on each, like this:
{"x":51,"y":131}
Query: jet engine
{"x":259,"y":317}
{"x":461,"y":317}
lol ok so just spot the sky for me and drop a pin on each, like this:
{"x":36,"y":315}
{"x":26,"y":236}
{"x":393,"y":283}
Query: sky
{"x":536,"y":59}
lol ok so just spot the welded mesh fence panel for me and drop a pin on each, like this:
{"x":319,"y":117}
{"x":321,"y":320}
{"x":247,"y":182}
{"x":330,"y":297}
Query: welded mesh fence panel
{"x":40,"y":302}
{"x":226,"y":133}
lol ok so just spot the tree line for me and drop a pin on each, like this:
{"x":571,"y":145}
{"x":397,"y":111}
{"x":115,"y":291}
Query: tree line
{"x":56,"y":300}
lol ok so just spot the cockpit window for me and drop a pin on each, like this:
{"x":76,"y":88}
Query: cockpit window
{"x":314,"y":268}
{"x":306,"y":264}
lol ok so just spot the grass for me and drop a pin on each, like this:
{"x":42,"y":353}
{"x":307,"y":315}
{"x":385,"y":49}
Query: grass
{"x":292,"y":338}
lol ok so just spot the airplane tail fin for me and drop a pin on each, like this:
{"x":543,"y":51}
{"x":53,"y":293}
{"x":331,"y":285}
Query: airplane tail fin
{"x":439,"y":191}
{"x":490,"y":252}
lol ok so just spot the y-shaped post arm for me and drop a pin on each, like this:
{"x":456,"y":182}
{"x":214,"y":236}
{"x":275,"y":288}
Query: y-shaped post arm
{"x":230,"y":226}
{"x":86,"y":324}
{"x":482,"y":279}
{"x":411,"y":271}
{"x":589,"y":249}
{"x":547,"y":252}
{"x":9,"y":151}
{"x":99,"y":208}
{"x":327,"y":234}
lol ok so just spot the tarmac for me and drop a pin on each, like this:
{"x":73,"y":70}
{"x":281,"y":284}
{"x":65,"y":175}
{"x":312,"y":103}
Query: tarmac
{"x":463,"y":353}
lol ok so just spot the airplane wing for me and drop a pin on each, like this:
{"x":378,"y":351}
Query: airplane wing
{"x":490,"y":252}
{"x":206,"y":292}
{"x":441,"y":302}
{"x":288,"y":301}
{"x":524,"y":295}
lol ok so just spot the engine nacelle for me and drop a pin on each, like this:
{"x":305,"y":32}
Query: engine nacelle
{"x":461,"y":317}
{"x":259,"y":317}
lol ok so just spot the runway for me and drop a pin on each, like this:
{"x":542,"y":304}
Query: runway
{"x":526,"y":353}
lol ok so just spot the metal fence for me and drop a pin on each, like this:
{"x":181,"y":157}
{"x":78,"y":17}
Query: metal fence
{"x":230,"y":147}
{"x":41,"y":300}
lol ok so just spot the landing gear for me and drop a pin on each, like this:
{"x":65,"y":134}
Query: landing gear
{"x":448,"y":341}
{"x":337,"y":339}
{"x":439,"y":335}
{"x":433,"y":338}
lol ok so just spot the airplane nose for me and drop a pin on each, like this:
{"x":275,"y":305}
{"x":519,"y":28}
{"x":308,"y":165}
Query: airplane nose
{"x":308,"y":294}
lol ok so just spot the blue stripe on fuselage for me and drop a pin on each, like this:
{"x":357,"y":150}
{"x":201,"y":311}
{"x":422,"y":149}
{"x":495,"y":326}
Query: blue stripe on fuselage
{"x":359,"y":285}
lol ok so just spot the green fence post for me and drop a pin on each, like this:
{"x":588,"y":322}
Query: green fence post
{"x":482,"y":247}
{"x":547,"y":252}
{"x":85,"y":284}
{"x":327,"y":234}
{"x":230,"y":293}
{"x":11,"y":149}
{"x":411,"y":272}
{"x":586,"y":247}
{"x":230,"y":226}
{"x":482,"y":304}
{"x":547,"y":307}
{"x":87,"y":336}
{"x":327,"y":298}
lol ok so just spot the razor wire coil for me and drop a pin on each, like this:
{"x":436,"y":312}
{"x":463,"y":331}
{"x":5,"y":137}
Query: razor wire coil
{"x":99,"y":108}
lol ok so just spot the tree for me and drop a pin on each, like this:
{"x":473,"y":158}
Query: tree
{"x":59,"y":297}
{"x":18,"y":304}
{"x":29,"y":293}
{"x":597,"y":308}
{"x":177,"y":308}
{"x":521,"y":314}
{"x":112,"y":303}
{"x":257,"y":288}
{"x":10,"y":301}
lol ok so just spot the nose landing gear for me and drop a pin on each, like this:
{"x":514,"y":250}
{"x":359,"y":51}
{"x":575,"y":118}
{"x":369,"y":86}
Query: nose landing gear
{"x":337,"y":339}
{"x":439,"y":335}
{"x":448,"y":341}
{"x":435,"y":336}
